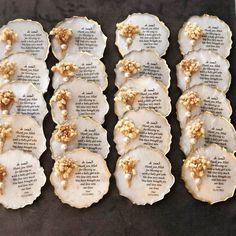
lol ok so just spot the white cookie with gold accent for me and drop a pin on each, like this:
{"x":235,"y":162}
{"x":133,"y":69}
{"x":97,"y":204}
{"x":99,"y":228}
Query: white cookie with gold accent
{"x":203,"y":67}
{"x":21,"y":132}
{"x":22,"y":98}
{"x":200,"y":98}
{"x":142,"y":31}
{"x":145,"y":62}
{"x":81,"y":132}
{"x":209,"y":174}
{"x":142,"y":93}
{"x":24,"y":36}
{"x":205,"y":32}
{"x":142,"y":127}
{"x":24,"y":67}
{"x":77,"y":97}
{"x":77,"y":34}
{"x":143,"y":175}
{"x":21,"y":179}
{"x":205,"y":129}
{"x":81,"y":65}
{"x":80,"y":178}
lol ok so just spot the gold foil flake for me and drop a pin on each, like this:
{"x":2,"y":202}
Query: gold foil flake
{"x":128,"y":129}
{"x":64,"y":168}
{"x":67,"y":70}
{"x":61,"y":98}
{"x":7,"y":98}
{"x":189,"y":67}
{"x":9,"y":37}
{"x":194,"y":33}
{"x":128,"y":166}
{"x":3,"y":174}
{"x":5,"y":133}
{"x":128,"y":31}
{"x":129,"y":67}
{"x":190,"y":100}
{"x":7,"y":70}
{"x":62,"y":35}
{"x":198,"y":167}
{"x":64,"y":133}
{"x":126,"y":96}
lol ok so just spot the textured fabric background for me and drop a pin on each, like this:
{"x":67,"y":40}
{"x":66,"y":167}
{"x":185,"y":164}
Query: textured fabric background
{"x":178,"y":213}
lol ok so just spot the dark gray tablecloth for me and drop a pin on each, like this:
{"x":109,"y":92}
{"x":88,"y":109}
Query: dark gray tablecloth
{"x":178,"y":213}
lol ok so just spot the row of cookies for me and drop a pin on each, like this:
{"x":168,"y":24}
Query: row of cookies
{"x":142,"y":133}
{"x":208,"y":138}
{"x":79,"y":143}
{"x":23,"y":80}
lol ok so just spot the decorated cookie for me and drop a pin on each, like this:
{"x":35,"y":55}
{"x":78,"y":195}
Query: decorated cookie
{"x":210,"y":174}
{"x":80,"y":65}
{"x":78,"y":97}
{"x":205,"y":129}
{"x":24,"y":98}
{"x":142,"y":93}
{"x":205,"y":67}
{"x":21,"y":132}
{"x":205,"y":32}
{"x":80,"y":178}
{"x":24,"y":36}
{"x":77,"y":34}
{"x":142,"y":127}
{"x":24,"y":67}
{"x":82,"y":132}
{"x":21,"y":179}
{"x":139,"y":63}
{"x":142,"y":31}
{"x":143,"y":175}
{"x":200,"y":98}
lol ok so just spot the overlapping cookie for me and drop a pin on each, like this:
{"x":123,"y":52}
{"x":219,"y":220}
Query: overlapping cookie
{"x":145,"y":62}
{"x":81,"y":132}
{"x":24,"y":36}
{"x":78,"y":97}
{"x":21,"y":132}
{"x":205,"y":32}
{"x":80,"y":65}
{"x":205,"y":129}
{"x":80,"y":178}
{"x":209,"y":174}
{"x":142,"y":127}
{"x":201,"y":98}
{"x":21,"y":179}
{"x":77,"y":34}
{"x":142,"y":93}
{"x":143,"y":175}
{"x":23,"y":98}
{"x":205,"y":67}
{"x":142,"y":31}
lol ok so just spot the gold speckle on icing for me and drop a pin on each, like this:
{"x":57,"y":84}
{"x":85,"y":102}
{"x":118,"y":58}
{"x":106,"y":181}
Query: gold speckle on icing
{"x":195,"y":131}
{"x":64,"y":168}
{"x":128,"y":31}
{"x":128,"y":166}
